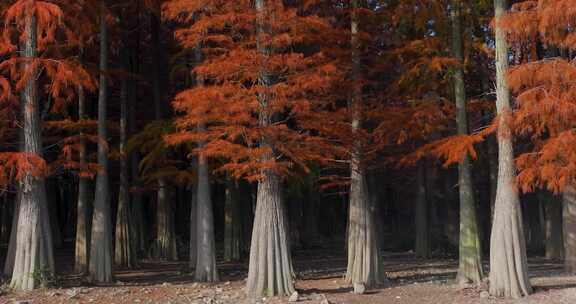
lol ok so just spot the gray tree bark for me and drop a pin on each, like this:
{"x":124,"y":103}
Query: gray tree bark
{"x":569,"y":229}
{"x":100,"y":264}
{"x":270,"y":270}
{"x":34,"y":250}
{"x":422,"y":239}
{"x":82,"y":240}
{"x":554,"y":241}
{"x":364,"y":265}
{"x":508,"y":265}
{"x":124,"y":249}
{"x":470,"y":252}
{"x":11,"y":252}
{"x":232,"y":223}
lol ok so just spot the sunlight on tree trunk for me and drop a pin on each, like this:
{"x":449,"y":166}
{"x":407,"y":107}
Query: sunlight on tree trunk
{"x":508,"y":265}
{"x":100,"y":263}
{"x":569,"y":229}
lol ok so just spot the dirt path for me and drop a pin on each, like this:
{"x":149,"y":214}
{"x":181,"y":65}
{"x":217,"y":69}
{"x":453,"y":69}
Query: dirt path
{"x":319,"y":276}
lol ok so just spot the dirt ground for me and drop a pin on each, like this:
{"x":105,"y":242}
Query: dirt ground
{"x":319,"y":275}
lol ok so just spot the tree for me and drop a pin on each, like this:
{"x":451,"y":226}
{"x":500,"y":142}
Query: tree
{"x":253,"y":103}
{"x":29,"y":45}
{"x":508,"y":264}
{"x":100,"y":267}
{"x":470,"y":258}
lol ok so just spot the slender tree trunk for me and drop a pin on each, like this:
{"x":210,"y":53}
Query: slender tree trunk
{"x":553,"y":227}
{"x":422,"y":240}
{"x":82,"y":240}
{"x":569,"y":229}
{"x":100,"y":264}
{"x":270,"y":270}
{"x":124,"y":249}
{"x":508,"y":264}
{"x":194,"y":224}
{"x":470,"y":252}
{"x":34,"y":250}
{"x":206,"y":247}
{"x":232,"y":223}
{"x":364,"y":265}
{"x":165,"y":246}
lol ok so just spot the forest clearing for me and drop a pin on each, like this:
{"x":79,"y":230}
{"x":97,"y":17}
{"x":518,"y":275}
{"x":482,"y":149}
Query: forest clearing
{"x":273,"y":151}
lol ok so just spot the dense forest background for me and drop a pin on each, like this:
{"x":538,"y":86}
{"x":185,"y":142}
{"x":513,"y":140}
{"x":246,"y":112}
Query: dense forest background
{"x":211,"y":130}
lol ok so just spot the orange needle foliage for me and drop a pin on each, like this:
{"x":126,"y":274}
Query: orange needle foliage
{"x":227,"y":105}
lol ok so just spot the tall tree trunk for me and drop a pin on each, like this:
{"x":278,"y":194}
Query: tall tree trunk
{"x":569,"y":229}
{"x":124,"y":249}
{"x":206,"y":247}
{"x":422,"y":240}
{"x":553,"y":227}
{"x":34,"y":250}
{"x":193,"y":224}
{"x":364,"y":265}
{"x":508,"y":265}
{"x":470,"y":252}
{"x":100,"y":264}
{"x":82,"y":240}
{"x":270,"y":270}
{"x":232,"y":223}
{"x":165,"y":227}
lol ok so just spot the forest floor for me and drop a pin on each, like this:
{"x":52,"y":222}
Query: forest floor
{"x":319,"y":272}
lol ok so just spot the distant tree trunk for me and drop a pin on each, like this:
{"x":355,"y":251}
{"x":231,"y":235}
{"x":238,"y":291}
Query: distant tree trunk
{"x":82,"y":240}
{"x":206,"y":247}
{"x":270,"y":270}
{"x":364,"y":265}
{"x":124,"y":249}
{"x":422,"y":240}
{"x":232,"y":223}
{"x":553,"y":227}
{"x":193,"y":225}
{"x":311,"y":235}
{"x":508,"y":264}
{"x":137,"y":202}
{"x":100,"y":264}
{"x":34,"y":250}
{"x":165,"y":247}
{"x":569,"y":229}
{"x":470,"y":252}
{"x":6,"y":219}
{"x":53,"y":197}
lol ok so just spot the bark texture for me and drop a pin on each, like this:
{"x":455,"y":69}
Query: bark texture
{"x":82,"y":239}
{"x":569,"y":229}
{"x":124,"y":249}
{"x":100,"y":264}
{"x":364,"y":266}
{"x":270,"y":270}
{"x":470,"y":252}
{"x":33,"y":258}
{"x":232,"y":223}
{"x":508,"y":265}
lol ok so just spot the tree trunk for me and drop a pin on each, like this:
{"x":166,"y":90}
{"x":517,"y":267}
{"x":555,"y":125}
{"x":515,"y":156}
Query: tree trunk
{"x":100,"y":264}
{"x":553,"y":227}
{"x":206,"y":247}
{"x":232,"y":223}
{"x":422,"y":240}
{"x":33,"y":257}
{"x":470,"y":252}
{"x":364,"y":266}
{"x":193,"y":225}
{"x":569,"y":229}
{"x":82,"y":240}
{"x":270,"y":270}
{"x":508,"y":265}
{"x":124,"y":249}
